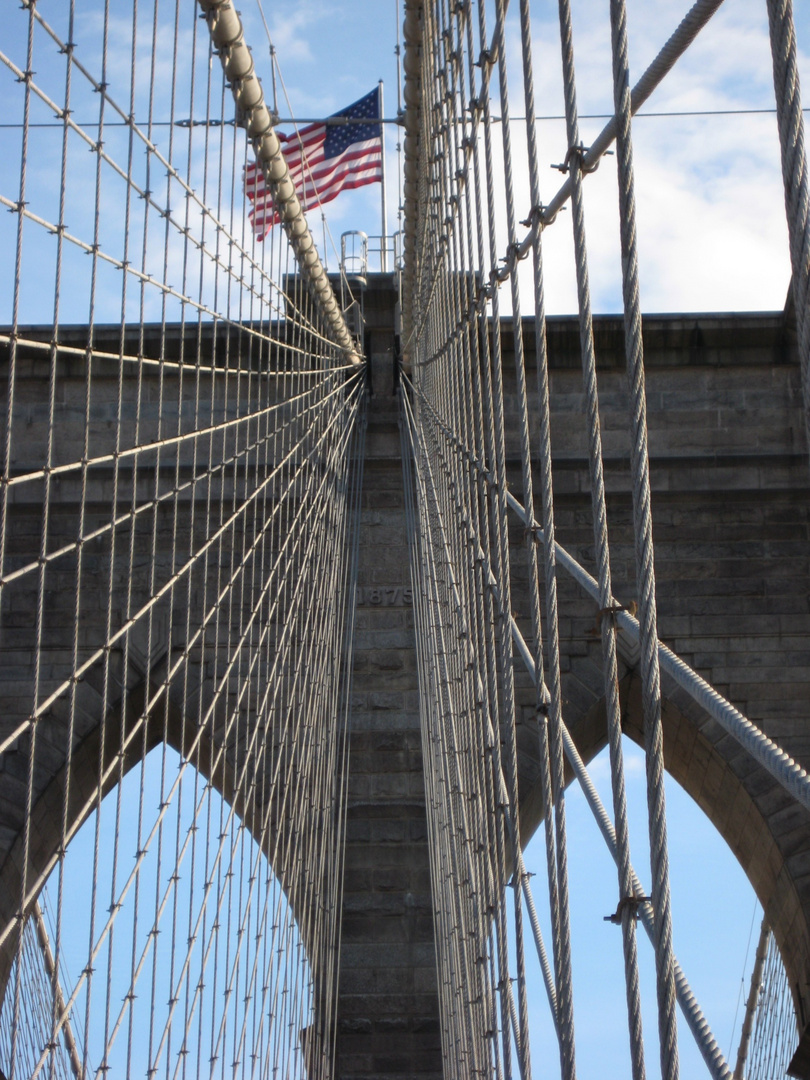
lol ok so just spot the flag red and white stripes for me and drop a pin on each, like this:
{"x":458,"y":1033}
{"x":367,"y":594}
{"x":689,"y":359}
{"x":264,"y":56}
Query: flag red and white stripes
{"x":323,"y":159}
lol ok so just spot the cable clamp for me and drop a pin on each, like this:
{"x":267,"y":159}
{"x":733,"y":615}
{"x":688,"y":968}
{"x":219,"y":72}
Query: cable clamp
{"x":612,"y":610}
{"x":631,"y":903}
{"x":577,"y":152}
{"x":542,"y":711}
{"x":573,"y":152}
{"x":518,"y":251}
{"x":586,"y":169}
{"x":533,"y":533}
{"x":536,"y":216}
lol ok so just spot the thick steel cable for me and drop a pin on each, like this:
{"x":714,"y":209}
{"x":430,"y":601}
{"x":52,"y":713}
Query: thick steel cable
{"x":439,"y":185}
{"x":766,"y":752}
{"x":454,"y":69}
{"x":433,"y":734}
{"x":21,"y":910}
{"x":183,"y":573}
{"x":703,"y":1037}
{"x":600,"y":530}
{"x":694,"y":1016}
{"x":481,"y":431}
{"x":227,"y":36}
{"x":787,"y":772}
{"x":500,"y":525}
{"x":451,"y":297}
{"x":447,"y":297}
{"x":540,"y":216}
{"x":645,"y":571}
{"x":795,"y":176}
{"x":549,"y":720}
{"x":500,"y":785}
{"x":478,"y":398}
{"x":687,"y":30}
{"x":554,"y":706}
{"x":119,"y":898}
{"x":461,"y":563}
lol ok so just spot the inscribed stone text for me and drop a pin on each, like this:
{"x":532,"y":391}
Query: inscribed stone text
{"x":385,"y":595}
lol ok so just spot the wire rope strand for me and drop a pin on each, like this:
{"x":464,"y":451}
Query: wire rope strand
{"x":645,"y":572}
{"x":790,"y":120}
{"x":600,"y":526}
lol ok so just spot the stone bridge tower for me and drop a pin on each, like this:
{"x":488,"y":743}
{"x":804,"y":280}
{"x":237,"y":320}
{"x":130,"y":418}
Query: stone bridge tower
{"x":732,"y":518}
{"x":730,"y":505}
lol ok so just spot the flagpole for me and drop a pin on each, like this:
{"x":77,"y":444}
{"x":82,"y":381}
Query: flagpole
{"x":384,"y":237}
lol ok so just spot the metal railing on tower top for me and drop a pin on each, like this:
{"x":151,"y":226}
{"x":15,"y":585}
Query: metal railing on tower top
{"x":361,"y":254}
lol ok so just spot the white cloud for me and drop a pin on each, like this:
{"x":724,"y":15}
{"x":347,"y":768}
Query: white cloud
{"x":710,"y":203}
{"x":712,"y":233}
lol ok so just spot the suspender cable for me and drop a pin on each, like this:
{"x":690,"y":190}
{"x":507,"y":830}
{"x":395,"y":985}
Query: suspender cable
{"x":228,"y":38}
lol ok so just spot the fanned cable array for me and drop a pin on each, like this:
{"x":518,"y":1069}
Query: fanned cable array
{"x":769,"y":1027}
{"x":467,"y":416}
{"x":182,"y":449}
{"x":774,"y":1029}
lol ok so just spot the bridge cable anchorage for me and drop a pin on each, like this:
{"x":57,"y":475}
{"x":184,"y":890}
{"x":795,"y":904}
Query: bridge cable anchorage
{"x":227,"y":36}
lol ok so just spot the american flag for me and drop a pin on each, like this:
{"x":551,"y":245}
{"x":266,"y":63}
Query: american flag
{"x":323,"y":159}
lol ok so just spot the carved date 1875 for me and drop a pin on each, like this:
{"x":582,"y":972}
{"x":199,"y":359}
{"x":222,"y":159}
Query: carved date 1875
{"x":384,"y":595}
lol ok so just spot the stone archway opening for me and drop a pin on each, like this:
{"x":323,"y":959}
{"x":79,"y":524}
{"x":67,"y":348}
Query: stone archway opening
{"x":729,"y":869}
{"x":163,"y":939}
{"x":716,"y":920}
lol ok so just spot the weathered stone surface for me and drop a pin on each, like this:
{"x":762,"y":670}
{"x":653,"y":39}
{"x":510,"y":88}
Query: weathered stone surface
{"x":731,"y":517}
{"x":388,"y":964}
{"x":731,"y":522}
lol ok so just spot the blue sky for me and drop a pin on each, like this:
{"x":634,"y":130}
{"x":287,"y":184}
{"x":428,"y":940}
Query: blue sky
{"x":712,"y":237}
{"x":710,"y":202}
